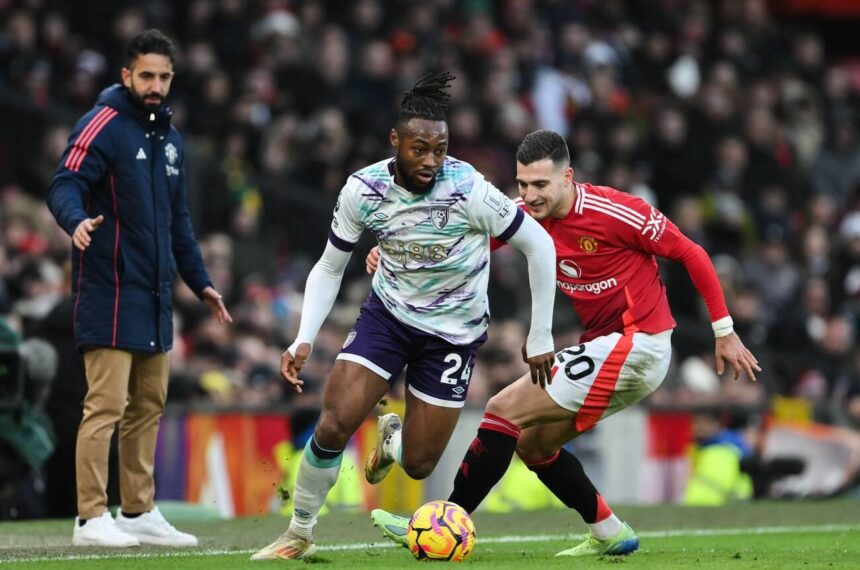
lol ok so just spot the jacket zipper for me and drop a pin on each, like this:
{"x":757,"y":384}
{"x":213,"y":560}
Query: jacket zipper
{"x":152,"y":181}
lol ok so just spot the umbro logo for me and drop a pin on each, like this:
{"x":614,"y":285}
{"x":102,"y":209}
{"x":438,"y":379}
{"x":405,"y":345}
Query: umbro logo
{"x":140,"y":154}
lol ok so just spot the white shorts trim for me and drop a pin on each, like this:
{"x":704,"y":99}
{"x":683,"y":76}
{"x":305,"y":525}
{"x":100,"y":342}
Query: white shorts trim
{"x":375,"y":368}
{"x":435,"y":401}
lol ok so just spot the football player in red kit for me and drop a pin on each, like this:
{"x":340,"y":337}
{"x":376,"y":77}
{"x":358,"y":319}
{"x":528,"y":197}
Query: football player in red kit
{"x":606,"y":243}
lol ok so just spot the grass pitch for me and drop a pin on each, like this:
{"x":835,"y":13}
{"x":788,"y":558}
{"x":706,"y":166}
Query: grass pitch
{"x":758,"y":535}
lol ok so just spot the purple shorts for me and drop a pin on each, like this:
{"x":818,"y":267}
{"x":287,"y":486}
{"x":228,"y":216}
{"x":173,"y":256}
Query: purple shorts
{"x":437,"y":371}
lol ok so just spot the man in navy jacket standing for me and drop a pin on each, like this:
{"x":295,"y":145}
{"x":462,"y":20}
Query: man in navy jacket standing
{"x":120,"y":193}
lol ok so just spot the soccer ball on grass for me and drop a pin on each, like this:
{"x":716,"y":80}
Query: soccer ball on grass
{"x":441,"y":530}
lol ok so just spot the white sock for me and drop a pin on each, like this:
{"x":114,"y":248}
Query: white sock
{"x":607,"y":528}
{"x":317,"y":475}
{"x":393,"y":446}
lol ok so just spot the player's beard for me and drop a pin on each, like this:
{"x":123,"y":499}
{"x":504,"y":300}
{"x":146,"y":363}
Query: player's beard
{"x":409,"y":183}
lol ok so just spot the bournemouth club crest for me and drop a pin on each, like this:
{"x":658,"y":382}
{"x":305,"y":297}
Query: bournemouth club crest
{"x":439,"y":216}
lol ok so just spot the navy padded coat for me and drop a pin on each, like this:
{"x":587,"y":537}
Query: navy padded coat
{"x":126,"y":164}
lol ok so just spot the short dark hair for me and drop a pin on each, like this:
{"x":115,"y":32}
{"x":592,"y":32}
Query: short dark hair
{"x":150,"y":41}
{"x":428,"y":99}
{"x":542,"y":144}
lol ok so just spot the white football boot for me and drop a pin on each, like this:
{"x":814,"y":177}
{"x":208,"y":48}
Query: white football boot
{"x":380,"y":461}
{"x":288,"y":546}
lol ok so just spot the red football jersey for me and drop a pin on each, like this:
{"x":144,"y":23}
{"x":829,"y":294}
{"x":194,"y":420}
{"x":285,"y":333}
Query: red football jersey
{"x":606,"y":248}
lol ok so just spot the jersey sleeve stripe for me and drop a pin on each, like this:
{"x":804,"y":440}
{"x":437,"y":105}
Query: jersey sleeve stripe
{"x":633,"y":213}
{"x":83,"y":146}
{"x":513,"y":227}
{"x":339,"y":243}
{"x":77,"y":145}
{"x":618,"y":215}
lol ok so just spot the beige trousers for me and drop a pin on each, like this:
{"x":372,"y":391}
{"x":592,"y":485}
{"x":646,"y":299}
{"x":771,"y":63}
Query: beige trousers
{"x":128,"y":388}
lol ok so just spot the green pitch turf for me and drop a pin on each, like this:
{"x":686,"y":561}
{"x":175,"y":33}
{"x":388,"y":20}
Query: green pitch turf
{"x":760,"y":535}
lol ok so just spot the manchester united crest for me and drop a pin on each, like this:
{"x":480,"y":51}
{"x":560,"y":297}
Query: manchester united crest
{"x":588,"y":244}
{"x":171,"y":153}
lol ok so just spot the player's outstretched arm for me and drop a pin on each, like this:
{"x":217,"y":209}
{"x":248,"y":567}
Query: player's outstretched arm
{"x":539,"y":250}
{"x":320,"y":293}
{"x":676,"y":246}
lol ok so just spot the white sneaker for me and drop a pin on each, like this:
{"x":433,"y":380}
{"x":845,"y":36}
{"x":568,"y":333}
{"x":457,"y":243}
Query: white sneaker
{"x":152,"y":528}
{"x":102,"y":531}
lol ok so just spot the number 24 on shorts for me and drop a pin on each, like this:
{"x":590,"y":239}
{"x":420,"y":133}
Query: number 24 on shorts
{"x":448,"y":376}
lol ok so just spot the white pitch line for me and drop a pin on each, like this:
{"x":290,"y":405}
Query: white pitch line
{"x":754,"y":530}
{"x":671,"y":533}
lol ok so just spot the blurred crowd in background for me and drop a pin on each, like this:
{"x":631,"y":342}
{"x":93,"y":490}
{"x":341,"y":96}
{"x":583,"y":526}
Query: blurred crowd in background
{"x":740,"y":126}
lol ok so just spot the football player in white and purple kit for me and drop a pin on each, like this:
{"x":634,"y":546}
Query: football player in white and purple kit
{"x":427,"y":312}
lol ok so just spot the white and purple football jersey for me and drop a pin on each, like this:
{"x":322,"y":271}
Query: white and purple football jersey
{"x":434,"y":247}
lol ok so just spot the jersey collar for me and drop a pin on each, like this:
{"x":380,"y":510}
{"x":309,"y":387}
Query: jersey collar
{"x":580,"y":197}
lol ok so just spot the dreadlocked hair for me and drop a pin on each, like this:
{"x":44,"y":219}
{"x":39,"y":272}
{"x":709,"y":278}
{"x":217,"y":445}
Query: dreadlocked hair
{"x":428,"y":98}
